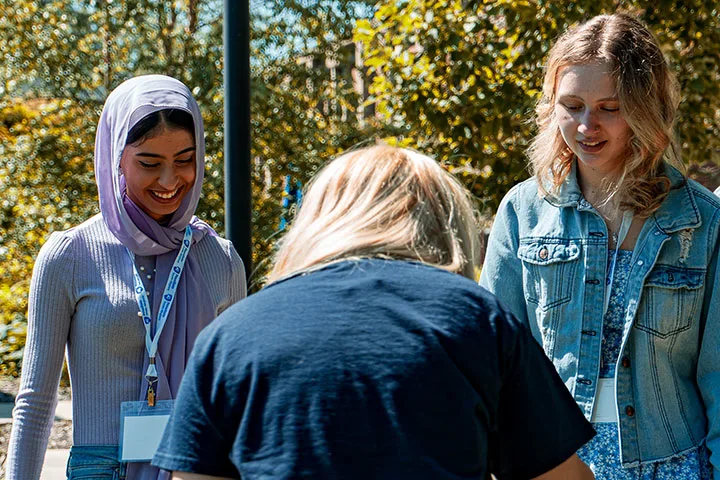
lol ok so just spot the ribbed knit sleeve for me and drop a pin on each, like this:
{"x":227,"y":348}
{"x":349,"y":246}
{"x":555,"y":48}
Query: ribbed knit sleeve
{"x":50,"y":309}
{"x":223,"y":270}
{"x":238,"y":283}
{"x":81,"y":296}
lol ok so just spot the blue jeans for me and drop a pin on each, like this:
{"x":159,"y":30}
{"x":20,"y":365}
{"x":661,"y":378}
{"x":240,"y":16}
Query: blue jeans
{"x":95,"y":462}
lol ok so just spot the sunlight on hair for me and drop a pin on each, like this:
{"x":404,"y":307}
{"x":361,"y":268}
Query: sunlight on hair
{"x":648,"y":94}
{"x":382,"y":201}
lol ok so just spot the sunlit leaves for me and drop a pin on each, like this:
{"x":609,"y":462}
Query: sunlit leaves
{"x":461,"y":77}
{"x":305,"y":108}
{"x":59,"y":60}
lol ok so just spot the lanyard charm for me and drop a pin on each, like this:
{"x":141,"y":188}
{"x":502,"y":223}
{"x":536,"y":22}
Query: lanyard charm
{"x":152,"y":381}
{"x":151,"y":396}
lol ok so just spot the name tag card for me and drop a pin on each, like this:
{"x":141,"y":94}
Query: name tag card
{"x":141,"y":429}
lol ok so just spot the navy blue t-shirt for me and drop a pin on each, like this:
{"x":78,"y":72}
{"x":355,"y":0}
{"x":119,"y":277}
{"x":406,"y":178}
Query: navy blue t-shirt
{"x":370,"y":369}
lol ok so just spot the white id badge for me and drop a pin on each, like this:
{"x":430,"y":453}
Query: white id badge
{"x":141,"y":429}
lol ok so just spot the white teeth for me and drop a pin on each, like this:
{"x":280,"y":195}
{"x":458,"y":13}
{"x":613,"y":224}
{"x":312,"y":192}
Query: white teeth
{"x":166,"y":196}
{"x":590,"y":144}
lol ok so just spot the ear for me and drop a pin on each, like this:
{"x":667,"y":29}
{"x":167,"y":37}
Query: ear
{"x":120,"y":163}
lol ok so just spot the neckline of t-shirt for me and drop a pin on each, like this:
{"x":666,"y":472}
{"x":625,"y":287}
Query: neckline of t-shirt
{"x":341,"y":263}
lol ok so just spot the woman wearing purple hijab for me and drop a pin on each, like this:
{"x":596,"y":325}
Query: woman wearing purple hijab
{"x":125,"y":293}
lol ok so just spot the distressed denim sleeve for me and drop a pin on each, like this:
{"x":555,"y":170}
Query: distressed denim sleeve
{"x":708,"y":372}
{"x":502,"y":269}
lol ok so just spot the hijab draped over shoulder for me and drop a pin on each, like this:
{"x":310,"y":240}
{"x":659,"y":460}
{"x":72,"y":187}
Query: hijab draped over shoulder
{"x":191,"y":311}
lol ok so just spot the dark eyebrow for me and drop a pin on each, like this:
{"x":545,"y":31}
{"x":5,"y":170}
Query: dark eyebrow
{"x":155,"y":155}
{"x":185,"y":151}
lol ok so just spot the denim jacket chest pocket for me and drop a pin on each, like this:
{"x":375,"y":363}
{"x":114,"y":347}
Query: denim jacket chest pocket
{"x":549,"y":268}
{"x":670,"y":299}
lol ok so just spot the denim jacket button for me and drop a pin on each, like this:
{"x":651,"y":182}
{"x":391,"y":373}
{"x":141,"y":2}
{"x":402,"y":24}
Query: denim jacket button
{"x":543,"y":253}
{"x":626,"y":362}
{"x":629,"y":411}
{"x":640,"y":262}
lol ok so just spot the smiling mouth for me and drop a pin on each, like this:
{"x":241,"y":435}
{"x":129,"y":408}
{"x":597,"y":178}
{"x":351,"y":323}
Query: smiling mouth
{"x":166,"y":195}
{"x":592,"y":147}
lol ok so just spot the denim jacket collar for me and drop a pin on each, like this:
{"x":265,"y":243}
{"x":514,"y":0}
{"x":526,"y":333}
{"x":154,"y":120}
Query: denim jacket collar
{"x":679,"y":212}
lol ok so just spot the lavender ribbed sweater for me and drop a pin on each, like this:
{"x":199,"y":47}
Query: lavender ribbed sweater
{"x":81,"y":297}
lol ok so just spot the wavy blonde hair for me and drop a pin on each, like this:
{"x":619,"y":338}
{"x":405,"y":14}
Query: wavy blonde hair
{"x":648,"y":95}
{"x":382,"y":201}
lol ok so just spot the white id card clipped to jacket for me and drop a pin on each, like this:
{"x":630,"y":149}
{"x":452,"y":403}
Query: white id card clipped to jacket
{"x":141,"y":429}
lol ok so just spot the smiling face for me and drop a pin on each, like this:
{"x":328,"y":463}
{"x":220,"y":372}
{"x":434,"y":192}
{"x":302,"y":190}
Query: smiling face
{"x":588,"y":113}
{"x":160,"y":171}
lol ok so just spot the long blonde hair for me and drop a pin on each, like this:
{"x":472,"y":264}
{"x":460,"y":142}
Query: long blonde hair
{"x":382,"y":201}
{"x":648,"y":94}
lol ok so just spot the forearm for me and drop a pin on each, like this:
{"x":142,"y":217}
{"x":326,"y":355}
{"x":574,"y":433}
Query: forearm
{"x":571,"y":469}
{"x":28,"y":442}
{"x":33,"y":417}
{"x":34,"y":407}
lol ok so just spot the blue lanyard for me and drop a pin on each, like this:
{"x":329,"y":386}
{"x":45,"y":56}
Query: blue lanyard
{"x":151,"y":342}
{"x":624,"y":228}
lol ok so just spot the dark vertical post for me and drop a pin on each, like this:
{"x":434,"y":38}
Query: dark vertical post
{"x":238,"y":194}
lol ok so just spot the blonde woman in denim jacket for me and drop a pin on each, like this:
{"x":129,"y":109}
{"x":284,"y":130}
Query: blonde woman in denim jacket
{"x":611,"y":255}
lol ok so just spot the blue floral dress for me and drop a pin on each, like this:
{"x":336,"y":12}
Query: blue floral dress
{"x":602,"y":453}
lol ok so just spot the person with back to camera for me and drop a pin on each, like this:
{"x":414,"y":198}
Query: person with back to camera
{"x":90,"y":283}
{"x":373,"y":353}
{"x":610,"y":254}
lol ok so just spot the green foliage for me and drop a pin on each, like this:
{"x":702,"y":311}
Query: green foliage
{"x":54,"y":77}
{"x":455,"y":78}
{"x":462,"y":77}
{"x":46,"y":184}
{"x":304,"y":106}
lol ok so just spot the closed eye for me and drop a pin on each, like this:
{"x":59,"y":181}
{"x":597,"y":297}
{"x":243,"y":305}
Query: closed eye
{"x":572,"y":108}
{"x":184,"y":160}
{"x":147,"y":165}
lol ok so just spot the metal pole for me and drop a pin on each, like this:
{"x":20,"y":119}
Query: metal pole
{"x":238,"y":193}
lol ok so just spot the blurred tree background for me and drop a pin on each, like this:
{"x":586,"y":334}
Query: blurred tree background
{"x":462,"y":77}
{"x":454,"y":78}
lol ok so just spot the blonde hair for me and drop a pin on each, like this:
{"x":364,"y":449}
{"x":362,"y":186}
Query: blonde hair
{"x":382,"y":201}
{"x":648,"y":95}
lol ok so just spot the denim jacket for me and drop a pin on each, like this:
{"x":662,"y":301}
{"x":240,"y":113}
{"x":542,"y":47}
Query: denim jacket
{"x":547,"y":260}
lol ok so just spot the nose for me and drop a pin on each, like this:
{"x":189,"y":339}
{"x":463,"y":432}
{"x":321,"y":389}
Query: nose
{"x":168,"y":178}
{"x":588,"y":122}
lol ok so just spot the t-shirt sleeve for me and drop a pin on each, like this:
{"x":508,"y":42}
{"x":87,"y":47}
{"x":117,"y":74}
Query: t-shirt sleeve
{"x":539,"y":425}
{"x":195,"y":439}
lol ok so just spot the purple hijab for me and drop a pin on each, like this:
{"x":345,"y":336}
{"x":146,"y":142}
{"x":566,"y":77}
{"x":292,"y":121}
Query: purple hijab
{"x":192,"y":308}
